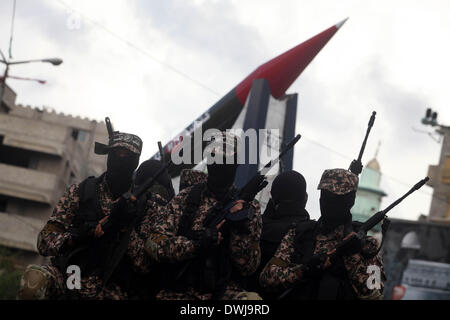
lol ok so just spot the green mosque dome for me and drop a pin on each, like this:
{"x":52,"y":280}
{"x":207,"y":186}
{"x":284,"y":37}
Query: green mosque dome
{"x":369,"y":194}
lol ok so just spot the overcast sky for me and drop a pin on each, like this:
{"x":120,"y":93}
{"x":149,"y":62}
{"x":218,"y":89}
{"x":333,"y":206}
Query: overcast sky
{"x":154,"y":66}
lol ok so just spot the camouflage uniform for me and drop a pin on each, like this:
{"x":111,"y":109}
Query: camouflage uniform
{"x":164,"y":245}
{"x":56,"y":238}
{"x":282,"y":272}
{"x":190,"y":177}
{"x":136,"y":246}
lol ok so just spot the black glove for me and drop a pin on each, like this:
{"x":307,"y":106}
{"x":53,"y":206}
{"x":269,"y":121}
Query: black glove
{"x":251,"y":189}
{"x":314,"y":266}
{"x":356,"y":167}
{"x":206,"y":239}
{"x":239,"y":221}
{"x":240,"y":227}
{"x":82,"y":233}
{"x":353,"y":246}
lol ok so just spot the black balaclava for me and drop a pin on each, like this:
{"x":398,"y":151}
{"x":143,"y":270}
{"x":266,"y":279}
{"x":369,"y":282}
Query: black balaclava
{"x":148,"y":169}
{"x":335,"y":209}
{"x":220,"y":178}
{"x":269,"y":212}
{"x":119,"y":172}
{"x":289,"y":194}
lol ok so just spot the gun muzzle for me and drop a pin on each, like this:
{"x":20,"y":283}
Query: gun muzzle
{"x":290,"y":145}
{"x":297,"y":137}
{"x":372,"y":119}
{"x":421,"y":183}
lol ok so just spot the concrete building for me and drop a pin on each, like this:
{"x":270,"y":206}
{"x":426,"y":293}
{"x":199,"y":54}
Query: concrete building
{"x":440,"y":181}
{"x":369,"y":195}
{"x":41,"y":153}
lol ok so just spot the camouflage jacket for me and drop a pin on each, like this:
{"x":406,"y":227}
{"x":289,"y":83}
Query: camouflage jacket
{"x":281,"y":272}
{"x":54,"y":238}
{"x":56,"y":235}
{"x":164,"y":245}
{"x":142,"y":231}
{"x":189,"y":177}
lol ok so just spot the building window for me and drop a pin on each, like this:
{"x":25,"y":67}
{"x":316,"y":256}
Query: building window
{"x":3,"y":203}
{"x":16,"y":156}
{"x":3,"y":108}
{"x":83,"y":136}
{"x":79,"y":135}
{"x":75,"y":133}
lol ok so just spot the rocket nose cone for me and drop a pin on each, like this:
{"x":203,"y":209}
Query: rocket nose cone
{"x":339,"y":25}
{"x":284,"y":69}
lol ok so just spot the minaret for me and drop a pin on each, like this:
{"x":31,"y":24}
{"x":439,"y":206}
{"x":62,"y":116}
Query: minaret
{"x":369,"y":194}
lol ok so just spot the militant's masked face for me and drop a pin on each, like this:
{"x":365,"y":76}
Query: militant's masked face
{"x":289,"y":193}
{"x":120,"y":167}
{"x":221,"y":177}
{"x":222,"y":168}
{"x":335,"y":209}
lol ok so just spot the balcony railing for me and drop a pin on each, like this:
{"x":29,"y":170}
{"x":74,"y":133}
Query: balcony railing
{"x":28,"y":184}
{"x":32,"y":134}
{"x":19,"y":232}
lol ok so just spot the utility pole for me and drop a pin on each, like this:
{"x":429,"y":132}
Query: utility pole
{"x":439,"y":174}
{"x":9,"y":62}
{"x":53,"y":61}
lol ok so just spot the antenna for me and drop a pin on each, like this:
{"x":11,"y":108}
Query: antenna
{"x":437,"y":139}
{"x":12,"y":29}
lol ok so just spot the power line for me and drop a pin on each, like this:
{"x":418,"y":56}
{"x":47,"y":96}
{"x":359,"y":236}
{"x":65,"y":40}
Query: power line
{"x":137,"y":48}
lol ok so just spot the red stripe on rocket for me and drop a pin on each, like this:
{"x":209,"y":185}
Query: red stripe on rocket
{"x":280,"y":71}
{"x":283,"y":70}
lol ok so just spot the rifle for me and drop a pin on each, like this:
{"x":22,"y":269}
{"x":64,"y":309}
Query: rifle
{"x":380,"y":215}
{"x":356,"y":165}
{"x":161,"y":152}
{"x":223,"y":213}
{"x":133,"y":195}
{"x":243,"y":214}
{"x":107,"y":225}
{"x":101,"y":148}
{"x":123,"y":245}
{"x":364,"y":228}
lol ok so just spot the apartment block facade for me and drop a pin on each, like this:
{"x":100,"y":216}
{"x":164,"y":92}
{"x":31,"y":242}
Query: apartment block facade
{"x":41,"y":153}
